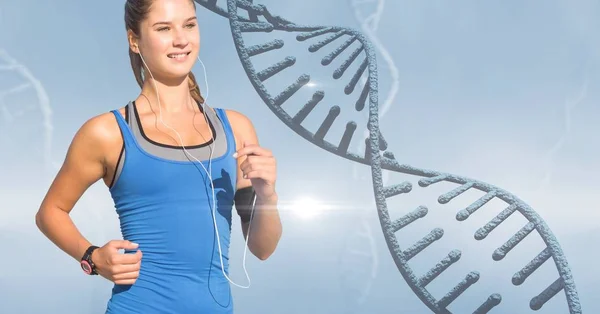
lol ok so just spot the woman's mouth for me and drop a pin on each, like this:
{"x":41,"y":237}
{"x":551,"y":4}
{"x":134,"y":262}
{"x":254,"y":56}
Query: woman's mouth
{"x":178,"y":56}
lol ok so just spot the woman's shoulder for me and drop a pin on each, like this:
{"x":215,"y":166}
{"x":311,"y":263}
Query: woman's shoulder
{"x":239,"y":121}
{"x":102,"y":128}
{"x":236,"y":117}
{"x":241,"y":125}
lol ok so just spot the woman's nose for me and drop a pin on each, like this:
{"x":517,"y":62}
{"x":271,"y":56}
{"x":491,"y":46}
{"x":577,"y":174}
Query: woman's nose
{"x":180,"y":39}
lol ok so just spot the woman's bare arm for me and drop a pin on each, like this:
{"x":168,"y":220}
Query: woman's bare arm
{"x":82,"y":167}
{"x":265,"y":229}
{"x":85,"y":164}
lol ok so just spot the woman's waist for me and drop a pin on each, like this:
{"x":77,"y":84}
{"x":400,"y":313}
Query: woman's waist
{"x":175,"y":283}
{"x":182,"y":260}
{"x":160,"y":207}
{"x":173,"y":221}
{"x":173,"y":234}
{"x":182,"y":274}
{"x":173,"y":293}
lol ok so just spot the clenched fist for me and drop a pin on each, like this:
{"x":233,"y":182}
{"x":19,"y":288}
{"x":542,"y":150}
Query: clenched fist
{"x":122,"y":269}
{"x":260,"y":167}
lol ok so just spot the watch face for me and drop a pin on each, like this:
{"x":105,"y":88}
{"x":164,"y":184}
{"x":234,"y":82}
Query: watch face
{"x":86,"y":267}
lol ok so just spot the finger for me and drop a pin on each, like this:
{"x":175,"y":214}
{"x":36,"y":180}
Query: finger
{"x":252,"y":149}
{"x":256,"y":164}
{"x":266,"y":175}
{"x":252,"y":158}
{"x":125,"y":282}
{"x":127,"y":276}
{"x":123,"y":244}
{"x":127,"y":258}
{"x":249,"y":159}
{"x":261,"y":171}
{"x":125,"y":268}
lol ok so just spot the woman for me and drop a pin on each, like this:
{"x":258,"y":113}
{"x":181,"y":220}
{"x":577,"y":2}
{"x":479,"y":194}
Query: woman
{"x":148,"y":153}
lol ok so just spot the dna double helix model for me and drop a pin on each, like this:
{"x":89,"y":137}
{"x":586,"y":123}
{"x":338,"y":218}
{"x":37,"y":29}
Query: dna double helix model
{"x":247,"y":19}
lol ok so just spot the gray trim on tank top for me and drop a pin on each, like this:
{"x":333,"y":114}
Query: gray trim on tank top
{"x":171,"y":152}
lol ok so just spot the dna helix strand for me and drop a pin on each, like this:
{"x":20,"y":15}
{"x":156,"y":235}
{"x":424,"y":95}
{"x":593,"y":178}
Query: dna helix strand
{"x":246,"y":18}
{"x":17,"y":110}
{"x":368,"y":14}
{"x":357,"y":266}
{"x":359,"y":263}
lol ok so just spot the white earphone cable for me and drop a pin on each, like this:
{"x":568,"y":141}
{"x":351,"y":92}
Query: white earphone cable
{"x":208,"y":172}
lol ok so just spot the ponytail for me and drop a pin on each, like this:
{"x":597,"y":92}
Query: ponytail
{"x":195,"y":89}
{"x":136,"y":66}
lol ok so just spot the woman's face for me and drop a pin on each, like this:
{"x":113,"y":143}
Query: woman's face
{"x":170,"y":38}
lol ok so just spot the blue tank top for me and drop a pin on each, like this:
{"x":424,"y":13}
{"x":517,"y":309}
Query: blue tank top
{"x":166,"y":207}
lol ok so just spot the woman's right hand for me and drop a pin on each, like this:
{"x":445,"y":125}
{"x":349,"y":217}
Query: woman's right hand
{"x":122,"y":269}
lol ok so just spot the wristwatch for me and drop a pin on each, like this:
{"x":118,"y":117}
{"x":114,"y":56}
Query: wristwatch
{"x":86,"y":261}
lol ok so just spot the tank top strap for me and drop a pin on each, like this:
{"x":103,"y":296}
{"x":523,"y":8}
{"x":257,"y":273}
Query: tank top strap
{"x":227,"y":129}
{"x":125,"y":130}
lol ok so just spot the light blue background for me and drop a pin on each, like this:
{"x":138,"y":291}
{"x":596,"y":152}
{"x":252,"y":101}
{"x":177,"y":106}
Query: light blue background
{"x":504,"y":92}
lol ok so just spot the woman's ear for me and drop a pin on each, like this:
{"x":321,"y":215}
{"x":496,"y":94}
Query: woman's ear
{"x":133,"y":41}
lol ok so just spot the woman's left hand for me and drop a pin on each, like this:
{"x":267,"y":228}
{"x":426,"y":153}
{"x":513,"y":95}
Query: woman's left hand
{"x":260,"y":168}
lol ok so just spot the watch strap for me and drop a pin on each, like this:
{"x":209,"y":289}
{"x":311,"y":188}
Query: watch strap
{"x":87,"y":264}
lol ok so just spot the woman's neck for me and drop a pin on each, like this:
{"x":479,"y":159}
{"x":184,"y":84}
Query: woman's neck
{"x":173,"y":98}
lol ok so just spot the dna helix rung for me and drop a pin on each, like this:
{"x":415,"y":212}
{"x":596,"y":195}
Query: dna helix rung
{"x":375,"y":155}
